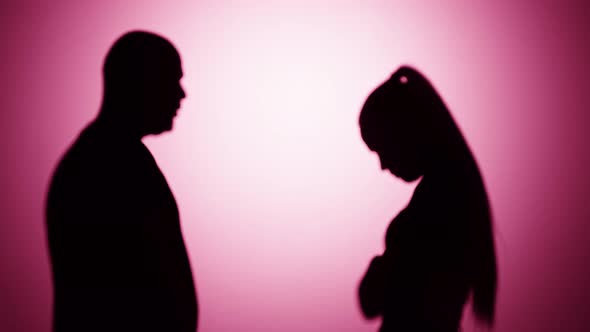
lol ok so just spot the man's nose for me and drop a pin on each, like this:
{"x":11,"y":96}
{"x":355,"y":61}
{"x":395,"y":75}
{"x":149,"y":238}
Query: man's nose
{"x":182,"y":93}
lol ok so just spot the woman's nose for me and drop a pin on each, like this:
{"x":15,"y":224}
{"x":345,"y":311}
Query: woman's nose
{"x":382,"y":162}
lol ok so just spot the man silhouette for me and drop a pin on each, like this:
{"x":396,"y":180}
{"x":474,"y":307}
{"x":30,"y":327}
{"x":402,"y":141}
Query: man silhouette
{"x":117,"y":254}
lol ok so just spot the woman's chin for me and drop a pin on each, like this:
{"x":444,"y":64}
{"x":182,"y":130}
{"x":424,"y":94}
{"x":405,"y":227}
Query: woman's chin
{"x":406,"y":177}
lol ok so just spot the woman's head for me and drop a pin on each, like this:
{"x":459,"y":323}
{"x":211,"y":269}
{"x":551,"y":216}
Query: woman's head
{"x":406,"y":123}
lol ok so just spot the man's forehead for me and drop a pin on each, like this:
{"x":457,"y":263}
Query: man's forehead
{"x":166,"y":67}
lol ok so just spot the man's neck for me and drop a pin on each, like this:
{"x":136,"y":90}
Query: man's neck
{"x":120,"y":126}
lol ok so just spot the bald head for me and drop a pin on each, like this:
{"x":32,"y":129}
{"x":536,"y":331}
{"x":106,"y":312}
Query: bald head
{"x":141,"y":81}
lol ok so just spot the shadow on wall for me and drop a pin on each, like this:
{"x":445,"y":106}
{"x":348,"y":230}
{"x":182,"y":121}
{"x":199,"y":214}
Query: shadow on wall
{"x":117,"y":254}
{"x":440,"y":248}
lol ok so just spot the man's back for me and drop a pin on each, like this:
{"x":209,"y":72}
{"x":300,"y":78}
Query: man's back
{"x":118,"y":257}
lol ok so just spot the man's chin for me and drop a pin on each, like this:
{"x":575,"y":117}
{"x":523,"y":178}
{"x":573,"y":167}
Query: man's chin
{"x":161,"y":130}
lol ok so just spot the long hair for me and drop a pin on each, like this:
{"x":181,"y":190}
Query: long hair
{"x":409,"y":96}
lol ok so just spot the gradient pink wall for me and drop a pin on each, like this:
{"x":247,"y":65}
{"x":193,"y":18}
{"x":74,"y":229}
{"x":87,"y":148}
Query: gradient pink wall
{"x":282,"y":205}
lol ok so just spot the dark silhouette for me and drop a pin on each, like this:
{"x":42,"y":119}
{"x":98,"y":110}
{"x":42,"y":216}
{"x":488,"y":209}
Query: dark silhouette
{"x":117,"y":254}
{"x":440,"y":248}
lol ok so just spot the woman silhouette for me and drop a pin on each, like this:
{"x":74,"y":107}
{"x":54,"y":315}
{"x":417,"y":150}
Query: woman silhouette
{"x":439,"y":250}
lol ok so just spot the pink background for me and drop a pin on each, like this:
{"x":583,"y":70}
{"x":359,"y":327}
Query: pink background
{"x":282,"y":205}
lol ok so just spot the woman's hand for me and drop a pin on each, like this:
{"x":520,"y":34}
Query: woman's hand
{"x":371,"y":289}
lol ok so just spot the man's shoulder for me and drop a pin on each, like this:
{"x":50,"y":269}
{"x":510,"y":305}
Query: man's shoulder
{"x":97,"y":156}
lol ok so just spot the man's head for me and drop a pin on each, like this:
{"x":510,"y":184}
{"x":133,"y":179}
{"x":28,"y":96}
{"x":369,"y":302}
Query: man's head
{"x":142,"y":73}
